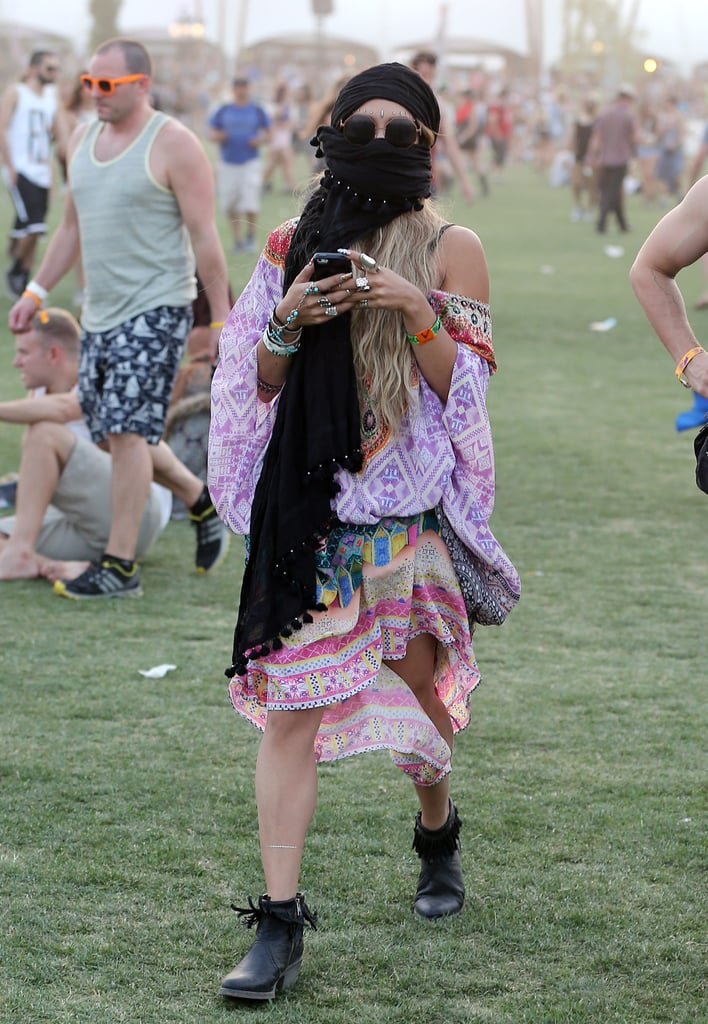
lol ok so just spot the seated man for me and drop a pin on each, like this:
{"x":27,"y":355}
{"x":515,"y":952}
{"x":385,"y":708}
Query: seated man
{"x":63,"y":507}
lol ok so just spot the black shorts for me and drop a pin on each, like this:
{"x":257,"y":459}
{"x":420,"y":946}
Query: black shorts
{"x":31,"y":202}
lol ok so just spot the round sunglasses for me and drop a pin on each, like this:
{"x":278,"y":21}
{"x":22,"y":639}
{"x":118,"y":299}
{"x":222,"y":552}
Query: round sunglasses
{"x":401,"y":132}
{"x":106,"y":86}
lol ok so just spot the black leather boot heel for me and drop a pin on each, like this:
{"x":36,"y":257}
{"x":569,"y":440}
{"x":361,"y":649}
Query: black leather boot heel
{"x":273,"y":961}
{"x":441,"y":890}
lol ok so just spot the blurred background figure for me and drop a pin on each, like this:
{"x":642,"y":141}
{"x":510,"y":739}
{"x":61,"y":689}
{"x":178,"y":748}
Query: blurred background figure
{"x":30,"y":123}
{"x":240,"y":127}
{"x":470,"y":121}
{"x":671,"y":132}
{"x":447,"y":150}
{"x":320,"y":111}
{"x":647,"y":150}
{"x":79,"y":108}
{"x":583,"y":175}
{"x":611,"y":149}
{"x":283,"y":127}
{"x":499,"y":128}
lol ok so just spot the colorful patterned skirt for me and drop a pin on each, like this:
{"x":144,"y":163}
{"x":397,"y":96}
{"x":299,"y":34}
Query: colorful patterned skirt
{"x":383,"y":585}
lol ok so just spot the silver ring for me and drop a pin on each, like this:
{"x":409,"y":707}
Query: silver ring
{"x":362,"y":284}
{"x":363,"y":303}
{"x":331,"y":310}
{"x":368,"y":262}
{"x":323,"y":301}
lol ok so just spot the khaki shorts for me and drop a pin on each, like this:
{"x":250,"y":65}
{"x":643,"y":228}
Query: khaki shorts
{"x":239,"y":186}
{"x":77,"y":523}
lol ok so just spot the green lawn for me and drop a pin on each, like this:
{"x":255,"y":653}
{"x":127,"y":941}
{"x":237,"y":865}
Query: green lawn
{"x":127,"y":809}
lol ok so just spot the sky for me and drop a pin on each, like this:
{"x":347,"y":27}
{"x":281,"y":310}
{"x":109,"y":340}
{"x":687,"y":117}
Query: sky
{"x":672,"y":28}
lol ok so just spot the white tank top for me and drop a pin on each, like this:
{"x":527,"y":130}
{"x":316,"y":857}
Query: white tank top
{"x":29,"y":136}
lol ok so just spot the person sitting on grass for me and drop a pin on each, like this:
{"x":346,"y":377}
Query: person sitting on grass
{"x":63,"y":507}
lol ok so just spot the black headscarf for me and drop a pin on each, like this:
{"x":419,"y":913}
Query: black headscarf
{"x":316,"y":428}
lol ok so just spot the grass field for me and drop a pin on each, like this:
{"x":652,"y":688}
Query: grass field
{"x":127,"y":809}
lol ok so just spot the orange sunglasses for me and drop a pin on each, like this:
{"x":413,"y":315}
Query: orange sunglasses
{"x":106,"y":86}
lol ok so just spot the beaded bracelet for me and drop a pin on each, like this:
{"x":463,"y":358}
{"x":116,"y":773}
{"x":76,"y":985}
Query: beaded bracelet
{"x":422,"y":337}
{"x":277,"y":331}
{"x":277,"y":322}
{"x":277,"y":347}
{"x":276,"y":335}
{"x":269,"y":389}
{"x":683,"y":363}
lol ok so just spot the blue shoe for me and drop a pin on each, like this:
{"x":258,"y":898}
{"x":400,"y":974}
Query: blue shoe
{"x":694,"y":417}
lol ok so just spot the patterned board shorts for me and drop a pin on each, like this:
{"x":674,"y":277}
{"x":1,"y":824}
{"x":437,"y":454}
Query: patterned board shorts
{"x":126,"y":374}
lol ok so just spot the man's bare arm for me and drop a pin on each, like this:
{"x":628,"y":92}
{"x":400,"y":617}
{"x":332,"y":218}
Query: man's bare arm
{"x":677,"y":241}
{"x":61,"y":408}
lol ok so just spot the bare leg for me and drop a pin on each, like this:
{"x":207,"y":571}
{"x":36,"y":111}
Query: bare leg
{"x":25,"y":249}
{"x":286,"y":793}
{"x":237,"y":226}
{"x":46,"y":450}
{"x":132,"y":476}
{"x":171,"y":473}
{"x":416,"y":669}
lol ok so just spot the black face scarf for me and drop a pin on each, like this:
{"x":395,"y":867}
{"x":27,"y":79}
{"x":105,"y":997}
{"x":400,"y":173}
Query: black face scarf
{"x":316,"y":428}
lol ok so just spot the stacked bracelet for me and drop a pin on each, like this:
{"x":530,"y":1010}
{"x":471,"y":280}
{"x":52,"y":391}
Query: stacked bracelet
{"x":277,"y":345}
{"x":683,"y":363}
{"x":425,"y":335}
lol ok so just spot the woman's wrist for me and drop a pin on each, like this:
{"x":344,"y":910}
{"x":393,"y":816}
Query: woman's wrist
{"x":419,"y":321}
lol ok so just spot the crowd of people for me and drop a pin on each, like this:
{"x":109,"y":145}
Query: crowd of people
{"x":262,"y":125}
{"x":349,"y":438}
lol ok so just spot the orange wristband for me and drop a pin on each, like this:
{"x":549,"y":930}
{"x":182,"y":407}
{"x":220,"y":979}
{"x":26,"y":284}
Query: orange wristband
{"x":683,"y":363}
{"x":29,"y":294}
{"x":427,"y":334}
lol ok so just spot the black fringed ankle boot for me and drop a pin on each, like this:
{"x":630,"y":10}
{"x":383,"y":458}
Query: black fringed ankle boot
{"x":441,"y":891}
{"x":273,"y":961}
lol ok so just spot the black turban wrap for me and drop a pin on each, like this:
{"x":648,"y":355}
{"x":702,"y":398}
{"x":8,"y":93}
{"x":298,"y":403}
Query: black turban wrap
{"x":394,"y":82}
{"x":317,"y":426}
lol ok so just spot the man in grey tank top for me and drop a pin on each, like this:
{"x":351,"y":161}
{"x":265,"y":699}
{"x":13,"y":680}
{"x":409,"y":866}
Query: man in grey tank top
{"x":140,"y":209}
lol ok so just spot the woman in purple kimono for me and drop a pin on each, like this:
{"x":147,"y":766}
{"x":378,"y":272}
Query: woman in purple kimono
{"x":349,"y":432}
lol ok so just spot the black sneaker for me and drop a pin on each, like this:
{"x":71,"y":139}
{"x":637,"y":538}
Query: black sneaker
{"x":107,"y":578}
{"x":212,"y":539}
{"x":16,"y":281}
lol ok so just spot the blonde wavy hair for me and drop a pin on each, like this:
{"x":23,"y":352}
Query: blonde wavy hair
{"x":383,"y":359}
